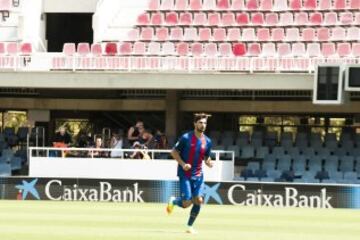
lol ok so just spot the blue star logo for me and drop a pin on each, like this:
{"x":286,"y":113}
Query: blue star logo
{"x":28,"y":187}
{"x":211,"y":192}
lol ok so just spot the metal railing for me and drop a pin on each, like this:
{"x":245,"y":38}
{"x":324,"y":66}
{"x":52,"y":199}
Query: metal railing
{"x":154,"y":154}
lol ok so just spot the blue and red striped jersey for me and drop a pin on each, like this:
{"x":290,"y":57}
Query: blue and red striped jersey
{"x":193,"y":151}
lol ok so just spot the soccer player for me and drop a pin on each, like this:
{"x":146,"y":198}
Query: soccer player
{"x":190,"y":151}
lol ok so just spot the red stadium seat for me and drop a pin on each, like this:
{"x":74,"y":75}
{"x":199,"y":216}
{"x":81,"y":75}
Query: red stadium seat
{"x":96,"y":49}
{"x":211,"y":49}
{"x":292,"y":34}
{"x":157,"y":19}
{"x":263,"y":34}
{"x":330,"y":18}
{"x":162,"y":34}
{"x":83,"y":49}
{"x":242,"y":19}
{"x":295,"y":4}
{"x":167,"y":5}
{"x":252,"y":4}
{"x":257,"y":18}
{"x":154,"y":5}
{"x":200,"y":19}
{"x":266,"y":5}
{"x":139,"y":48}
{"x":181,"y":5}
{"x":69,"y":49}
{"x":223,"y":4}
{"x":237,"y":5}
{"x":171,"y":18}
{"x":125,"y":48}
{"x":286,"y":19}
{"x":225,"y":50}
{"x":233,"y":34}
{"x":338,"y":34}
{"x":204,"y":34}
{"x":185,"y":19}
{"x":284,"y":49}
{"x":248,"y":35}
{"x":154,"y":48}
{"x":2,"y":48}
{"x":353,"y":34}
{"x":219,"y":34}
{"x":268,"y":50}
{"x":110,"y":48}
{"x":190,"y":34}
{"x":313,"y":50}
{"x":196,"y":5}
{"x":325,"y":4}
{"x":280,"y":5}
{"x":214,"y":19}
{"x":168,"y":48}
{"x":197,"y":49}
{"x":147,"y":34}
{"x":228,"y":19}
{"x":25,"y":48}
{"x":239,"y":49}
{"x":323,"y":34}
{"x":346,"y":18}
{"x":355,"y":4}
{"x":316,"y":18}
{"x":143,"y":19}
{"x":176,"y":34}
{"x":298,"y":50}
{"x":301,"y":18}
{"x":343,"y":49}
{"x":277,"y":34}
{"x":254,"y":49}
{"x":355,"y":51}
{"x":328,"y":49}
{"x":310,"y":4}
{"x":133,"y":35}
{"x":209,"y":5}
{"x":271,"y":19}
{"x":357,"y":18}
{"x":308,"y":35}
{"x":182,"y":49}
{"x":340,"y":4}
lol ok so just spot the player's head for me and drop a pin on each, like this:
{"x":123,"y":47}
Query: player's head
{"x":200,"y":121}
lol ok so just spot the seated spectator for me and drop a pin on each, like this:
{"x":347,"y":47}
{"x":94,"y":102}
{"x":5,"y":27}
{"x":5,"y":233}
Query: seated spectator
{"x":161,"y":141}
{"x":98,"y":145}
{"x":116,"y":143}
{"x":145,"y":137}
{"x":141,"y":153}
{"x":134,"y":132}
{"x":62,"y":139}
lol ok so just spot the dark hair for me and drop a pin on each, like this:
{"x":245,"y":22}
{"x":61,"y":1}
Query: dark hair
{"x":198,"y":116}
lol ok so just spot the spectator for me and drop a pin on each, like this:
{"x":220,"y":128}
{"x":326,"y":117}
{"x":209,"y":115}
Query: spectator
{"x":134,"y":132}
{"x":98,"y":153}
{"x":62,"y":137}
{"x":161,"y":141}
{"x":145,"y":137}
{"x":141,"y":153}
{"x":116,"y":143}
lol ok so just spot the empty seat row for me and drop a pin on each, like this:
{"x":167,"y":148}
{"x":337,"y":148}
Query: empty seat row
{"x":252,"y":19}
{"x":250,"y":5}
{"x":13,"y":48}
{"x":322,"y":34}
{"x":235,"y":49}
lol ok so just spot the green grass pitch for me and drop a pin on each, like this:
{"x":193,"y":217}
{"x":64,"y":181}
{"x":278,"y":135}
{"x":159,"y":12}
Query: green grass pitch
{"x":45,"y":220}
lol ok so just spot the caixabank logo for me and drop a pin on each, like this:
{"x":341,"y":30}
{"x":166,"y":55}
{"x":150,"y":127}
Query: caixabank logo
{"x":27,"y":188}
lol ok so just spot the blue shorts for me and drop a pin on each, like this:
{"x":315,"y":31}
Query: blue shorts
{"x":191,"y":187}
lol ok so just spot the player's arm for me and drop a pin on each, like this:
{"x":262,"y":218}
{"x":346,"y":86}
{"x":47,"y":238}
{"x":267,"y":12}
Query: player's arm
{"x":175,"y":154}
{"x":209,"y":162}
